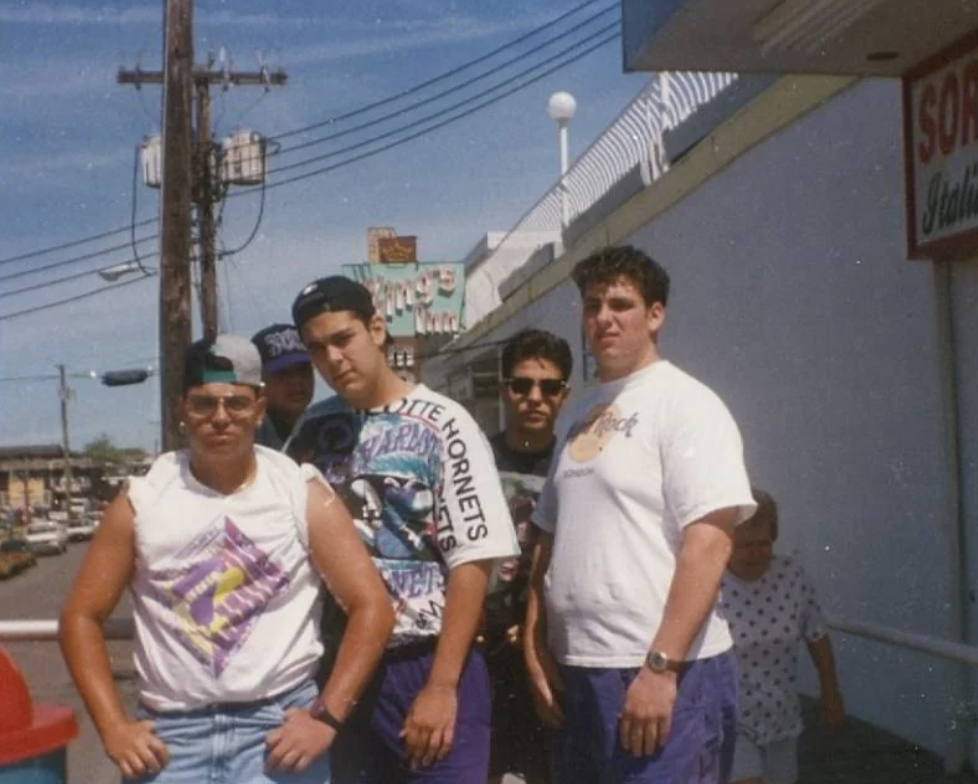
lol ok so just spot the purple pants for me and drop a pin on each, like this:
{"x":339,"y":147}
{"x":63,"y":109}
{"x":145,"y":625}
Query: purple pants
{"x":701,"y":741}
{"x":370,"y":750}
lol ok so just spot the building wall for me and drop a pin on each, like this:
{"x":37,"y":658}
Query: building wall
{"x":793,"y":298}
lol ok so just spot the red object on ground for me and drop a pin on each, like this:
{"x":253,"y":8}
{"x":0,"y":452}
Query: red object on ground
{"x":28,"y":730}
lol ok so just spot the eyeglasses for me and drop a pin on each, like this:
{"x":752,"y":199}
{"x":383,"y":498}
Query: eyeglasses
{"x":521,"y":385}
{"x":235,"y":406}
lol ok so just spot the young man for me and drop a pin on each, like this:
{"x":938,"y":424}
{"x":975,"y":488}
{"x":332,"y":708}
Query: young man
{"x":418,"y":477}
{"x":625,"y":648}
{"x":287,"y":373}
{"x":223,"y":546}
{"x":536,"y":368}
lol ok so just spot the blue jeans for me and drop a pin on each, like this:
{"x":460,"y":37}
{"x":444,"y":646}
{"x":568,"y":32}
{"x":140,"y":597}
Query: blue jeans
{"x":225,"y":744}
{"x":700,"y":746}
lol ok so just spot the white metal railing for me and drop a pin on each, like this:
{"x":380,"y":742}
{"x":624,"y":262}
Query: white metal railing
{"x":921,"y":643}
{"x":41,"y":630}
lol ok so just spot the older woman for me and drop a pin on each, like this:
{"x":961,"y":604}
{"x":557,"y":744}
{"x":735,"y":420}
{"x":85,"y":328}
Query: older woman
{"x":771,"y":608}
{"x":222,"y":545}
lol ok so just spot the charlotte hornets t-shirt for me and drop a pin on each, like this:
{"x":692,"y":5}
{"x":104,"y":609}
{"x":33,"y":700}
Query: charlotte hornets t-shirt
{"x":419,"y":480}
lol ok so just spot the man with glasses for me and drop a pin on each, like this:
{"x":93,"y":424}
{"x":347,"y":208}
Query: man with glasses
{"x":626,"y":649}
{"x":224,"y":547}
{"x":417,"y":475}
{"x":536,"y":367}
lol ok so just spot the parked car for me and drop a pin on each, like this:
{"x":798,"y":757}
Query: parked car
{"x":15,"y":556}
{"x":47,"y":536}
{"x":81,"y":530}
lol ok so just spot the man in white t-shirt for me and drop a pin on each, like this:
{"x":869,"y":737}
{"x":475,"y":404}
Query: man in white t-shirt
{"x":625,"y":649}
{"x":418,"y":477}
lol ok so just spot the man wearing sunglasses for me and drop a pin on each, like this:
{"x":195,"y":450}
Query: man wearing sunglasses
{"x":536,"y":367}
{"x":626,"y":650}
{"x":417,"y":474}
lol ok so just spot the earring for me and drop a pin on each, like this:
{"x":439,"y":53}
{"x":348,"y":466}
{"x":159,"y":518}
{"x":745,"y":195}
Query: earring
{"x":182,"y":427}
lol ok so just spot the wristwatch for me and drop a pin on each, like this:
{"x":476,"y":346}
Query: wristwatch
{"x":658,"y":662}
{"x":320,"y":713}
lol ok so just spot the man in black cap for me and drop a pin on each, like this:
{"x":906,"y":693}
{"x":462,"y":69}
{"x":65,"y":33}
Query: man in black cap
{"x":420,"y":482}
{"x":287,"y":374}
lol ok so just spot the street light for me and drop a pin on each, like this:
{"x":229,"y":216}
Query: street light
{"x":561,"y":108}
{"x":117,"y":271}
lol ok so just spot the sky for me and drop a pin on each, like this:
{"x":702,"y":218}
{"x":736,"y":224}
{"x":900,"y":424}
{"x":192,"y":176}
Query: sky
{"x":68,"y":135}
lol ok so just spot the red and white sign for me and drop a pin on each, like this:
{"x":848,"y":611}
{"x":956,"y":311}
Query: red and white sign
{"x":940,"y":115}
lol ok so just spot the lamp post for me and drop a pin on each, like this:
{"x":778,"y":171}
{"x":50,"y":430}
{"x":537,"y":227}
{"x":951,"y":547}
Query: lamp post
{"x":561,"y":108}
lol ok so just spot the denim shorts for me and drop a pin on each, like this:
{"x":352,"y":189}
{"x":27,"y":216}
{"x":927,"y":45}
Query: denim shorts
{"x":700,"y":746}
{"x":225,"y":744}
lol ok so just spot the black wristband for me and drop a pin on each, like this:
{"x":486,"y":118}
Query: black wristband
{"x":321,"y":713}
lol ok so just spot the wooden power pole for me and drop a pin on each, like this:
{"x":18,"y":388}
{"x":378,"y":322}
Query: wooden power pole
{"x":207,"y":180}
{"x":188,"y":177}
{"x":64,"y":393}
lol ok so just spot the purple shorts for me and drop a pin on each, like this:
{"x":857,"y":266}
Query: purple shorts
{"x":701,"y":741}
{"x":370,"y":750}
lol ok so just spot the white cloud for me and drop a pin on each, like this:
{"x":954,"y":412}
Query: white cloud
{"x":413,"y":35}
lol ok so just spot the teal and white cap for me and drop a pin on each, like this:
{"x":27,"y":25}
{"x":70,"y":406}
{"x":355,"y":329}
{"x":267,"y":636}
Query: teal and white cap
{"x":227,"y":359}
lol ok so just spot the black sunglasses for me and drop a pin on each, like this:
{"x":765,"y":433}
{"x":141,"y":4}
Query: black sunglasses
{"x":521,"y":385}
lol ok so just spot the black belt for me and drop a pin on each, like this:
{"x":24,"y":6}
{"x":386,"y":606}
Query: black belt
{"x":411,"y":650}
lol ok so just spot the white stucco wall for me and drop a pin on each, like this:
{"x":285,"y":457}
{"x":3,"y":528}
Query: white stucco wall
{"x":793,"y":298}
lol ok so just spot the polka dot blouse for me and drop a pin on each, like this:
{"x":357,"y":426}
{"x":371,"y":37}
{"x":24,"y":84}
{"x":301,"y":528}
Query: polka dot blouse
{"x":769,"y":618}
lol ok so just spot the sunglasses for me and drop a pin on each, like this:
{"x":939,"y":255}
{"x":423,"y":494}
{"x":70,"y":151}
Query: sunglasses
{"x":521,"y":385}
{"x":235,"y":406}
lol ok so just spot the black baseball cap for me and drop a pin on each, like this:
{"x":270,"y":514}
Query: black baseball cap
{"x":280,"y":347}
{"x":330,"y":295}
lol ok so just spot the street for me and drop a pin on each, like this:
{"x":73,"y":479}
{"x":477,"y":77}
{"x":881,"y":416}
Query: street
{"x":38,"y":594}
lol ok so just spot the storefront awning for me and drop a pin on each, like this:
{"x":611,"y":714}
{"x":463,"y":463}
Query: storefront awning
{"x":857,"y":37}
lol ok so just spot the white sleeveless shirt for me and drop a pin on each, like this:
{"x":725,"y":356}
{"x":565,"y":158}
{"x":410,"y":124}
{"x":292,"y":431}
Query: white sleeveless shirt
{"x":226,"y":602}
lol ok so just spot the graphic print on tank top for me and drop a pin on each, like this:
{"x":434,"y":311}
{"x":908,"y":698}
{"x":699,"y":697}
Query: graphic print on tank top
{"x":215,"y":600}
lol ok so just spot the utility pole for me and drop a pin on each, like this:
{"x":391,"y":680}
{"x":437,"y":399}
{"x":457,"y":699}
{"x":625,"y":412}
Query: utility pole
{"x":183,"y":183}
{"x":206,"y":176}
{"x":65,"y":394}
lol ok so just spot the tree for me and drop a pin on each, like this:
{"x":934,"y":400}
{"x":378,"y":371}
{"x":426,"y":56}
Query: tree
{"x":102,"y":450}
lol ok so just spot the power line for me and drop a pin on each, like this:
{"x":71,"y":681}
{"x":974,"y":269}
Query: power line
{"x":77,"y":259}
{"x":457,"y":105}
{"x":371,"y":153}
{"x":13,"y":379}
{"x":74,"y":243}
{"x":254,"y":231}
{"x":330,"y":121}
{"x":46,"y":284}
{"x":440,"y":77}
{"x":454,"y":89}
{"x":58,"y":303}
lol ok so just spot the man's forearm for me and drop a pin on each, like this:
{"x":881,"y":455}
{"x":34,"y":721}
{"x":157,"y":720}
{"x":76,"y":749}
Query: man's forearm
{"x":464,"y":598}
{"x":84,"y":649}
{"x":534,"y":631}
{"x":692,"y":594}
{"x":361,"y":648}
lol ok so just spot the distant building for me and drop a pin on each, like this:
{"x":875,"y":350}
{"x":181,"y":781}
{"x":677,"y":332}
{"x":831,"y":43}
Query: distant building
{"x":34,"y":476}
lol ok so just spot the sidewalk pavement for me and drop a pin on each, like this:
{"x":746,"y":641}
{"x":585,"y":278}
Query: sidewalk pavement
{"x":864,"y":754}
